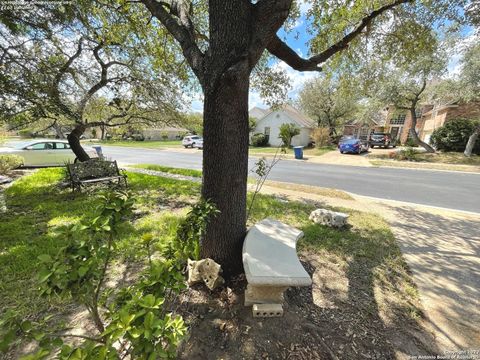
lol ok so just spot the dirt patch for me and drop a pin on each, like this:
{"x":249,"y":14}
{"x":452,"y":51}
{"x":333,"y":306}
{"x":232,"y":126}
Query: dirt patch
{"x":337,"y":318}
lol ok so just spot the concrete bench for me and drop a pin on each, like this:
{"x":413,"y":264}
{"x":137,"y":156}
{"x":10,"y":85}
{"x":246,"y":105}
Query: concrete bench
{"x":270,"y":262}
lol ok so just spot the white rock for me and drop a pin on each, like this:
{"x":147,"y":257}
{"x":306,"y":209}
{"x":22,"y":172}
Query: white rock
{"x":205,"y":270}
{"x":329,"y":218}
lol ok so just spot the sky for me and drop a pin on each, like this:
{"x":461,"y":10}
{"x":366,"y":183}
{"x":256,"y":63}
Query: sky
{"x":298,"y":39}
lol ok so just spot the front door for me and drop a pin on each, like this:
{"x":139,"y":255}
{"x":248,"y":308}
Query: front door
{"x":394,"y":132}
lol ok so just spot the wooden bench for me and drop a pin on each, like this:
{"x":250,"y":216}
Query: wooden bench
{"x":270,"y":262}
{"x":95,"y":171}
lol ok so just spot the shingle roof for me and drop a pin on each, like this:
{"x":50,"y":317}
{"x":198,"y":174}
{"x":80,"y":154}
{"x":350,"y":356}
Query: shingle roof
{"x":258,"y":113}
{"x":302,"y":119}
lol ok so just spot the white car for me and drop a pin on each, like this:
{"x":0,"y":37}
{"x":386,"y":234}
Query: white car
{"x":198,"y":143}
{"x":44,"y":152}
{"x":189,"y":141}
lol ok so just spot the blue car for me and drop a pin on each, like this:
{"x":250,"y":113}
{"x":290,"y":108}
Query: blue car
{"x":355,"y":146}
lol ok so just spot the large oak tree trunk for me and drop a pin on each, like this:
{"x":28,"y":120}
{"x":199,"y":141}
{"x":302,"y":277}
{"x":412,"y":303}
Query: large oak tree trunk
{"x":414,"y":134}
{"x":225,"y":153}
{"x":471,"y":142}
{"x":74,"y":141}
{"x":225,"y":169}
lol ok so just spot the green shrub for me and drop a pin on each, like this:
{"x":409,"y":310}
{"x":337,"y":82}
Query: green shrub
{"x":134,"y":320}
{"x":409,"y":154}
{"x":9,"y":162}
{"x":190,"y":232}
{"x":259,"y":140}
{"x":453,"y":136}
{"x":410,"y":143}
{"x":25,"y":133}
{"x":287,"y":132}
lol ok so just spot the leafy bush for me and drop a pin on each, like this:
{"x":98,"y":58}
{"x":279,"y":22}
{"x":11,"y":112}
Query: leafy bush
{"x":287,"y":132}
{"x":410,"y":143}
{"x":190,"y":232}
{"x":9,"y":162}
{"x":259,"y":140}
{"x":321,"y":136}
{"x":134,"y":322}
{"x":453,"y":136}
{"x":409,"y":154}
{"x":25,"y":133}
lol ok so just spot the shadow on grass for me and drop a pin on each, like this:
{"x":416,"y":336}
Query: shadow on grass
{"x":363,"y":298}
{"x":37,"y":207}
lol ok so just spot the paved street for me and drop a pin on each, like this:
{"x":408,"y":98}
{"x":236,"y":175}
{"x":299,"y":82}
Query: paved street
{"x":460,"y":191}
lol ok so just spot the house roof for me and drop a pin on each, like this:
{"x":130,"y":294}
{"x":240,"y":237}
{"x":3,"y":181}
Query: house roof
{"x":258,"y":113}
{"x":301,"y":119}
{"x":441,"y":108}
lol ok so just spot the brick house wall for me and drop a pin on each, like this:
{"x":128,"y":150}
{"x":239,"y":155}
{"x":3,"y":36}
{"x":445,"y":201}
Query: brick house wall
{"x":398,"y":123}
{"x":437,"y":117}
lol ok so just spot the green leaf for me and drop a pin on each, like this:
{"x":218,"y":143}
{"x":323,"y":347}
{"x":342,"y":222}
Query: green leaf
{"x":82,"y":270}
{"x":45,"y":258}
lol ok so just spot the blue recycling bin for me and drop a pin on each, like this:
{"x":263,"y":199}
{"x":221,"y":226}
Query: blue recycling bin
{"x":98,"y":149}
{"x":298,"y":150}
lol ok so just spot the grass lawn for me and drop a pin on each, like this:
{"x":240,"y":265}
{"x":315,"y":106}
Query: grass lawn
{"x":453,"y":161}
{"x":306,"y":151}
{"x":453,"y":158}
{"x":168,"y":169}
{"x":140,"y":144}
{"x":364,"y":256}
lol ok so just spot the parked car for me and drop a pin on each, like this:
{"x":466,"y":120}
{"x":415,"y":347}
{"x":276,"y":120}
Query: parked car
{"x":381,"y":139}
{"x":198,"y":143}
{"x":344,"y":138}
{"x":189,"y":141}
{"x":44,"y":152}
{"x":356,"y":146}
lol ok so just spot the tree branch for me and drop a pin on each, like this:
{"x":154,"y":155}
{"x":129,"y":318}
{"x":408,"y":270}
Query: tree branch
{"x":283,"y":52}
{"x":182,"y":31}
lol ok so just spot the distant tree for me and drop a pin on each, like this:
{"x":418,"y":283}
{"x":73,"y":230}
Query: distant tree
{"x":77,"y":75}
{"x":470,"y":82}
{"x":403,"y":86}
{"x":329,"y":101}
{"x":252,"y":124}
{"x":463,"y":88}
{"x":287,"y":132}
{"x":193,"y":122}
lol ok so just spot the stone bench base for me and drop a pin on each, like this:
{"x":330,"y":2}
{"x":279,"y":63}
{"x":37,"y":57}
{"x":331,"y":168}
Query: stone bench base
{"x":264,"y":294}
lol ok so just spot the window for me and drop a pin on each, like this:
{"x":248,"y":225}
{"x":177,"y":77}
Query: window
{"x":61,"y":146}
{"x":38,"y":146}
{"x":266,"y":131}
{"x":364,"y":132}
{"x":398,"y":120}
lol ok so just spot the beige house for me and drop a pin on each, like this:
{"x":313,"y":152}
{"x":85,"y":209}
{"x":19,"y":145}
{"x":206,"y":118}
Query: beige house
{"x":165,"y":133}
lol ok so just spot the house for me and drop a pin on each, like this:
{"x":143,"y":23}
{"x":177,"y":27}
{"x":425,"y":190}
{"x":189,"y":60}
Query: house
{"x":362,"y":129}
{"x":164,"y":133}
{"x":399,"y":122}
{"x":269,"y":122}
{"x":437,"y":116}
{"x":429,"y":118}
